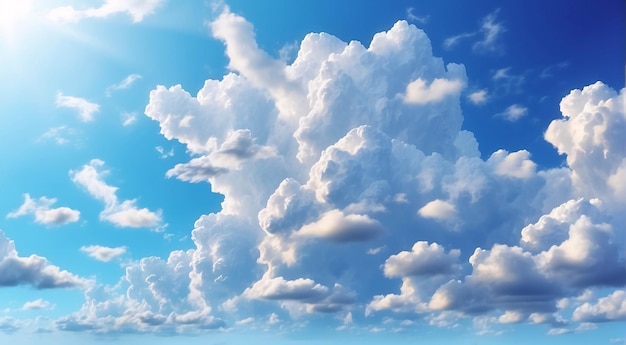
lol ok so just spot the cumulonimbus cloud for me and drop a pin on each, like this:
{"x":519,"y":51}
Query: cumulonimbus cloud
{"x":340,"y":196}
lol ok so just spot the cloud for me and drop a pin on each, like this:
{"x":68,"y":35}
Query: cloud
{"x":513,"y":112}
{"x":316,"y":156}
{"x":9,"y":325}
{"x":137,"y":10}
{"x":33,"y":270}
{"x":37,"y":304}
{"x":60,"y":135}
{"x":101,"y":253}
{"x":412,"y":17}
{"x":609,"y":308}
{"x":128,"y":118}
{"x":85,"y":109}
{"x":491,"y":32}
{"x":238,"y":147}
{"x":438,"y":209}
{"x":423,"y":260}
{"x":124,"y":84}
{"x":44,"y":214}
{"x":489,"y":35}
{"x":478,"y":97}
{"x":515,"y":164}
{"x":506,"y":82}
{"x":336,"y":226}
{"x":163,"y":153}
{"x":419,"y":93}
{"x":452,"y":41}
{"x":124,"y":213}
{"x":589,"y":134}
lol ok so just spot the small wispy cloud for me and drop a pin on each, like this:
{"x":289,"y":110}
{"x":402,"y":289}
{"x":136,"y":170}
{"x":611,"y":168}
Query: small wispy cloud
{"x":513,"y":112}
{"x":60,"y":135}
{"x":85,"y":109}
{"x":507,"y":82}
{"x":164,"y":154}
{"x":123,"y":213}
{"x":411,"y":16}
{"x":102,"y":253}
{"x":478,"y":97}
{"x":128,"y":118}
{"x":489,"y":35}
{"x":43,"y":212}
{"x":38,"y":304}
{"x":124,"y":84}
{"x":491,"y":31}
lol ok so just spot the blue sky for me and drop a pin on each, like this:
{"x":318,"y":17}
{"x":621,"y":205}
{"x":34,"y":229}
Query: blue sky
{"x":312,"y":172}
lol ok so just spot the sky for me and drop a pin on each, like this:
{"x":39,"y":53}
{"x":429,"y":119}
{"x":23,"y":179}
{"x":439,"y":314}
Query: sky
{"x":312,"y":172}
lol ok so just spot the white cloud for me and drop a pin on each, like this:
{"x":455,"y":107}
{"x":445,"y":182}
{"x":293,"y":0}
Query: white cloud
{"x":128,"y":118}
{"x":515,"y":164}
{"x":336,"y":226}
{"x":423,"y":260}
{"x":590,"y":135}
{"x":136,"y":9}
{"x":33,"y":270}
{"x":506,"y":82}
{"x":37,"y":304}
{"x":491,"y":32}
{"x":121,"y":213}
{"x":438,"y":209}
{"x":44,"y":214}
{"x":417,"y":92}
{"x":489,"y":35}
{"x":102,"y":253}
{"x":452,"y":41}
{"x":609,"y":308}
{"x":164,"y":154}
{"x":303,"y":146}
{"x":61,"y":135}
{"x":411,"y":16}
{"x":478,"y":97}
{"x":85,"y":109}
{"x":514,"y":112}
{"x":124,"y":84}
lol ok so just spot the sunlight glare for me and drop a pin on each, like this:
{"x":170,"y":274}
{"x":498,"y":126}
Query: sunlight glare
{"x":12,"y":13}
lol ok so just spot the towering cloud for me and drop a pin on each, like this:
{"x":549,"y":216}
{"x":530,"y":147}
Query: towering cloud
{"x":350,"y":187}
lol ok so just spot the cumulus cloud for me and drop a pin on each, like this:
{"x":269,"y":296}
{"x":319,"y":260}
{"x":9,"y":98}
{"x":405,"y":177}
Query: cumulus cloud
{"x":33,"y":270}
{"x":609,"y":308}
{"x":515,"y":164}
{"x":43,"y":213}
{"x":137,"y":10}
{"x":102,"y":253}
{"x":37,"y":304}
{"x":590,"y":135}
{"x":418,"y":92}
{"x":438,"y":209}
{"x":423,"y":259}
{"x":121,"y":213}
{"x":316,"y":157}
{"x":85,"y":109}
{"x":336,"y":226}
